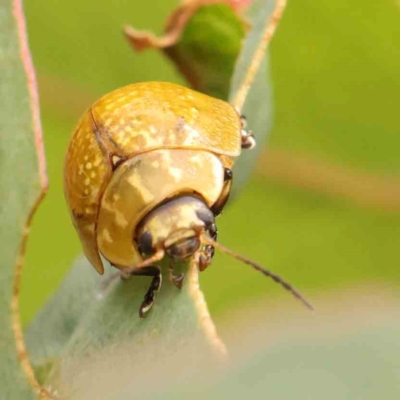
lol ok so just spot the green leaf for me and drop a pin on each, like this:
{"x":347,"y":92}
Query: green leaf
{"x":258,"y":104}
{"x":349,"y":347}
{"x":338,"y":354}
{"x":22,"y":182}
{"x":90,"y":320}
{"x":208,"y":48}
{"x":53,"y":326}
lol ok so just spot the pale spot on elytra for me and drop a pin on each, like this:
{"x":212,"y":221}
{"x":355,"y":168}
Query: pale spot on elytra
{"x":120,"y":219}
{"x":196,"y":160}
{"x":191,"y":135}
{"x":176,"y":173}
{"x":106,"y":236}
{"x":136,"y":182}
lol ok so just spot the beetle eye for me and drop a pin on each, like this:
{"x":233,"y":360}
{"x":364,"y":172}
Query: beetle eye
{"x":145,"y":243}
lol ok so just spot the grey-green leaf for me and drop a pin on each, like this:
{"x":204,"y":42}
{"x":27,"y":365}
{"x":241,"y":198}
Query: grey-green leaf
{"x":92,"y":323}
{"x":258,"y":105}
{"x":20,"y":181}
{"x":52,"y":328}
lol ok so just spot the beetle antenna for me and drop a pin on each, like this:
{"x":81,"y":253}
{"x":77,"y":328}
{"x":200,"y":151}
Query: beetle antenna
{"x":268,"y":32}
{"x":287,"y":286}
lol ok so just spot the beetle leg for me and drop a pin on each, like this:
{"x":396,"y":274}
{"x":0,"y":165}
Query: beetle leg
{"x":155,"y":286}
{"x":149,"y":297}
{"x":213,"y":231}
{"x":205,"y":257}
{"x":248,"y":140}
{"x":208,"y":252}
{"x":177,"y":280}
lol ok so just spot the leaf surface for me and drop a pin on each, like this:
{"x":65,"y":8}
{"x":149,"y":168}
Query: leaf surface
{"x":22,"y":184}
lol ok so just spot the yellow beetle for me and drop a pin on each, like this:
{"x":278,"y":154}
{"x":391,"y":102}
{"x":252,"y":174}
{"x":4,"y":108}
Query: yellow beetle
{"x":147,"y":170}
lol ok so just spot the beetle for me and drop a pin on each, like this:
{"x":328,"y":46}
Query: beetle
{"x":147,"y":171}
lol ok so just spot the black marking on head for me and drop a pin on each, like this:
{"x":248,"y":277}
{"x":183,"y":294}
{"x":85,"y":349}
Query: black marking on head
{"x":145,"y":243}
{"x":213,"y":231}
{"x":206,"y":216}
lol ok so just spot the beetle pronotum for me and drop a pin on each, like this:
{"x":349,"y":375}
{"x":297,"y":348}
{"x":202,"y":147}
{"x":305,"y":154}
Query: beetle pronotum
{"x":149,"y":168}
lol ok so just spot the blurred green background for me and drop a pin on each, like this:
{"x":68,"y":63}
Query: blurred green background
{"x":322,"y":209}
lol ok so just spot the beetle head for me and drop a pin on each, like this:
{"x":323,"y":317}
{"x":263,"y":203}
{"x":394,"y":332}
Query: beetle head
{"x":174,"y":227}
{"x":180,"y":227}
